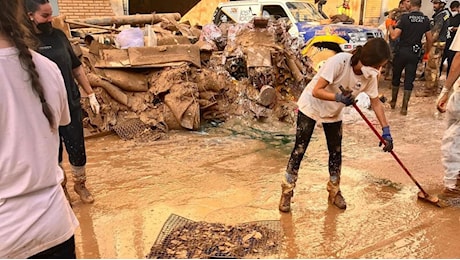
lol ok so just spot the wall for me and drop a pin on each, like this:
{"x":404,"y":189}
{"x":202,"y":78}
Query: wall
{"x":372,"y":9}
{"x":119,"y":7}
{"x":78,"y":9}
{"x":202,"y":12}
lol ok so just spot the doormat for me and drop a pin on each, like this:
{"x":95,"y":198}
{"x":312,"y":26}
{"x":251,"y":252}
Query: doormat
{"x":184,"y":238}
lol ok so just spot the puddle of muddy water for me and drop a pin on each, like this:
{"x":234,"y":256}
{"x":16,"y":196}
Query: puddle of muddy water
{"x":231,"y":174}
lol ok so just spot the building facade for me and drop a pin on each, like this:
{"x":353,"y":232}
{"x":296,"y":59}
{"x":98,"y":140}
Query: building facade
{"x":369,"y":12}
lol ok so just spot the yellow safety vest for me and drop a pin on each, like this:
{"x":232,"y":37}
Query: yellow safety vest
{"x":343,"y":10}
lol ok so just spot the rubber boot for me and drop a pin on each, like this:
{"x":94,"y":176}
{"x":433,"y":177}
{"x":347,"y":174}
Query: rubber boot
{"x":335,"y":195}
{"x":394,"y":96}
{"x":405,"y":103}
{"x":79,"y":179}
{"x":287,"y":192}
{"x":448,"y":193}
{"x":451,"y":193}
{"x":64,"y":185}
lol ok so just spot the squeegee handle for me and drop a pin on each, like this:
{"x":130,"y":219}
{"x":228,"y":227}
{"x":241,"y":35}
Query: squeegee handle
{"x":372,"y":127}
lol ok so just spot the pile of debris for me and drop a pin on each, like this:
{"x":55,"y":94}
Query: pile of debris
{"x":186,"y":239}
{"x":169,"y":75}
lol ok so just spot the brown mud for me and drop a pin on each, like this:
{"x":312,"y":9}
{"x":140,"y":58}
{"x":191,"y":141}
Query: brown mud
{"x":232,"y":174}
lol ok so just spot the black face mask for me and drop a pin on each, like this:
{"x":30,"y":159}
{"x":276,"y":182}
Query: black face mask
{"x":45,"y":28}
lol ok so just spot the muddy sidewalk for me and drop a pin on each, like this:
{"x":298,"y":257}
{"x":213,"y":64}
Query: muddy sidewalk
{"x":231,"y":174}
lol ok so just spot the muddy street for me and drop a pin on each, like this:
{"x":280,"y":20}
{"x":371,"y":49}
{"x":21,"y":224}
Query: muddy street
{"x":232,"y":174}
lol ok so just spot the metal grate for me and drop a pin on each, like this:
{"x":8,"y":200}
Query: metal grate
{"x":134,"y":128}
{"x":183,"y":238}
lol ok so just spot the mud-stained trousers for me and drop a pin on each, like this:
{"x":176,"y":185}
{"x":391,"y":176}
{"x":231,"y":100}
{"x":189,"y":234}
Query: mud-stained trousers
{"x":304,"y":132}
{"x":72,"y":137}
{"x":432,"y":70}
{"x":450,"y":147}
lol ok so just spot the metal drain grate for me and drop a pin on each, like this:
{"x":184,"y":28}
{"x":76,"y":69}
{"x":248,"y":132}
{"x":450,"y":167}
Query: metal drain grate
{"x":183,"y":238}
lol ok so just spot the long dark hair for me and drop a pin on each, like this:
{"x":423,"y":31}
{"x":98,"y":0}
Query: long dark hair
{"x":374,"y":52}
{"x":12,"y":17}
{"x":32,"y":5}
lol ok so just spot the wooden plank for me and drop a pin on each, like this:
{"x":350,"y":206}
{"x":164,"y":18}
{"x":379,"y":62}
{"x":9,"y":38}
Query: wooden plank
{"x":258,"y":57}
{"x":125,"y":19}
{"x":113,"y":58}
{"x":92,"y":26}
{"x":143,"y":56}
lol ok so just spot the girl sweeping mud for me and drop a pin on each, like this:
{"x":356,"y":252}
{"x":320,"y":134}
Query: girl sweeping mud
{"x":339,"y":80}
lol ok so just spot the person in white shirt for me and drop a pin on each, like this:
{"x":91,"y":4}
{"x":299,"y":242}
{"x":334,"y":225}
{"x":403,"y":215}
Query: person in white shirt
{"x":339,"y":80}
{"x":449,"y":102}
{"x":36,"y":219}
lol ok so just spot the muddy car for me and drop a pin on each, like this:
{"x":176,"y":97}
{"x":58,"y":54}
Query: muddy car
{"x":308,"y":22}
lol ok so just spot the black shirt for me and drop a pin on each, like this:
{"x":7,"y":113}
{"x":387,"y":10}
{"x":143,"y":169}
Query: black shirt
{"x":413,"y":26}
{"x":56,"y":47}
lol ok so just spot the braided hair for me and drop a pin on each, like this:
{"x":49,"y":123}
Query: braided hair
{"x":12,"y":17}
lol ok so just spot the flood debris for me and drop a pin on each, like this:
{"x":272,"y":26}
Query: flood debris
{"x":191,"y":75}
{"x":185,"y":239}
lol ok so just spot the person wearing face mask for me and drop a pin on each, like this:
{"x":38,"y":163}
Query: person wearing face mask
{"x":410,"y":30}
{"x":338,"y":81}
{"x":55,"y":46}
{"x":454,"y":22}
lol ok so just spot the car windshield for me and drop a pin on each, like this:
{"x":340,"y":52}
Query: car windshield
{"x":304,"y":12}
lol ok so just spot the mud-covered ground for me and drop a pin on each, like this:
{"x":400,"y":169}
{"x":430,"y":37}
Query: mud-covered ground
{"x":231,"y":174}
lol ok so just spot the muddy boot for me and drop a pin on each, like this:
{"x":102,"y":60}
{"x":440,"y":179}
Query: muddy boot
{"x":449,"y":194}
{"x":79,"y":179}
{"x":388,"y":73}
{"x":63,"y":184}
{"x":394,"y":96}
{"x":335,"y":195}
{"x":287,"y":191}
{"x":407,"y":94}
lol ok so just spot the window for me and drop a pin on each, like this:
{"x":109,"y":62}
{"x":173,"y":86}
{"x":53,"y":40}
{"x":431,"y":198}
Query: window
{"x":275,"y":11}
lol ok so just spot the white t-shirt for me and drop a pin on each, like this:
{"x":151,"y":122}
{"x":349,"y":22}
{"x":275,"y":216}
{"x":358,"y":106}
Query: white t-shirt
{"x":455,"y":45}
{"x":34,"y":213}
{"x":338,"y":72}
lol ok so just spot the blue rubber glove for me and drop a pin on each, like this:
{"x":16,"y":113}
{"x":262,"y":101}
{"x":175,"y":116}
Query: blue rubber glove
{"x":345,"y":98}
{"x":388,"y":140}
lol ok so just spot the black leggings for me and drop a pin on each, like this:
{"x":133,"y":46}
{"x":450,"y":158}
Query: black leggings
{"x":72,"y":137}
{"x":65,"y":250}
{"x":305,"y":127}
